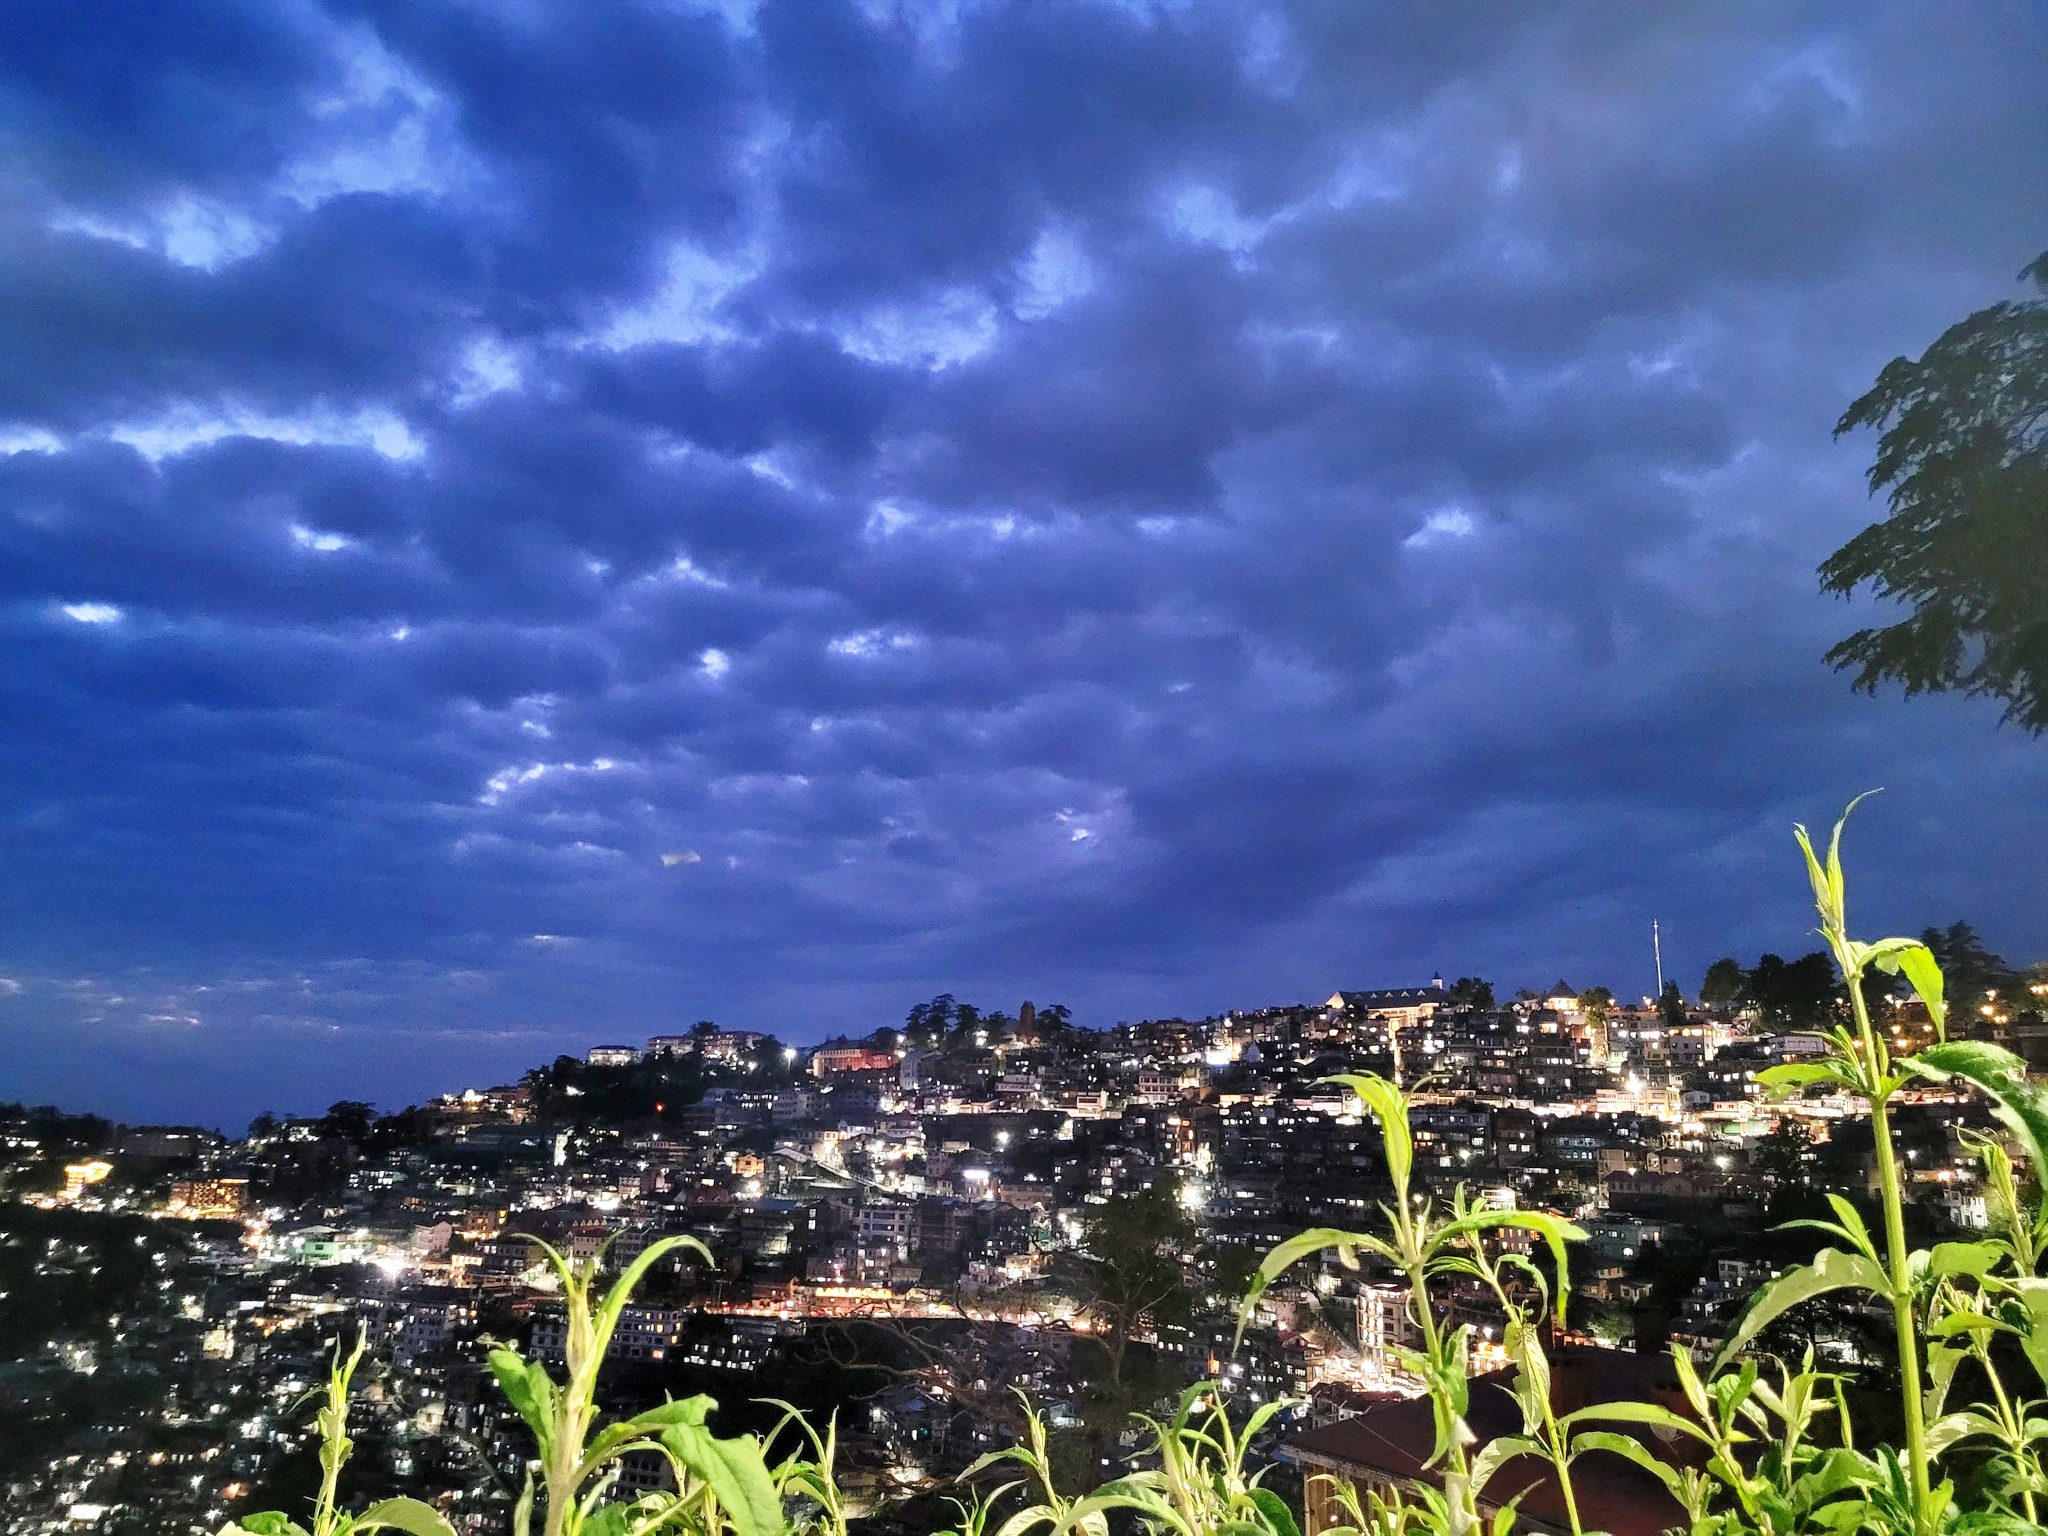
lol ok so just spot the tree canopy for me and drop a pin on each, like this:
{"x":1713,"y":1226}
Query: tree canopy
{"x":1722,"y":983}
{"x":1962,"y":457}
{"x":1471,"y":992}
{"x":1970,"y":970}
{"x":1792,"y":994}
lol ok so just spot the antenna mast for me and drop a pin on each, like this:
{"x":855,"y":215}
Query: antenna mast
{"x":1657,"y":948}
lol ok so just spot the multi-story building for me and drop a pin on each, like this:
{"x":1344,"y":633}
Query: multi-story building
{"x":1385,"y":1326}
{"x":643,"y":1333}
{"x":207,"y":1198}
{"x":829,"y":1059}
{"x":886,"y":1229}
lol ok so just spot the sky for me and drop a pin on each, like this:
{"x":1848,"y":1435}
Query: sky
{"x":528,"y":525}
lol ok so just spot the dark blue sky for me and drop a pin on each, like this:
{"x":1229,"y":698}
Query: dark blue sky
{"x":527,"y":525}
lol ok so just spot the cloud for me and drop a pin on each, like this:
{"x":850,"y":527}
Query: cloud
{"x":1167,"y":509}
{"x":92,"y":613}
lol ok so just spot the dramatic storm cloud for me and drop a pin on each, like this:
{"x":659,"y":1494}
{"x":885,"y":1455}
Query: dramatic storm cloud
{"x":527,"y":525}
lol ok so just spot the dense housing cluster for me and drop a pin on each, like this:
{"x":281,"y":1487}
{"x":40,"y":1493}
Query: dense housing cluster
{"x":906,"y":1227}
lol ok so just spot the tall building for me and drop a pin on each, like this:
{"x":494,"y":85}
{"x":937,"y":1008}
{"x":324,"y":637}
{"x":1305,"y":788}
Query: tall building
{"x":1384,"y":1328}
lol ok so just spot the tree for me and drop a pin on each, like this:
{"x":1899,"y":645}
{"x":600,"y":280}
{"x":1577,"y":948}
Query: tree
{"x":1792,"y":994}
{"x":1962,"y":455}
{"x":1671,"y":1006}
{"x":348,"y":1120}
{"x":1596,"y":1003}
{"x":1970,"y":971}
{"x":1782,"y":1154}
{"x":926,"y":1024}
{"x":1723,"y":983}
{"x":966,"y":1024}
{"x":1471,"y":992}
{"x":1134,"y":1269}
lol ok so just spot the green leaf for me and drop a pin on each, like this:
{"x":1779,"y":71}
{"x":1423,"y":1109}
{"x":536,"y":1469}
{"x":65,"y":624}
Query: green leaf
{"x":1973,"y":1259}
{"x":1390,"y":1107}
{"x":2018,"y":1105}
{"x":408,"y":1515}
{"x":615,"y":1299}
{"x":1831,"y":1270}
{"x":1950,"y":1428}
{"x":2033,"y":1297}
{"x":1633,"y":1450}
{"x":1314,"y":1241}
{"x":642,"y":1427}
{"x":1497,"y":1453}
{"x":1924,"y":972}
{"x":1823,"y":888}
{"x":1833,"y":1472}
{"x":528,"y":1388}
{"x":1652,"y":1415}
{"x":1789,"y":1077}
{"x":737,"y":1473}
{"x":522,"y":1511}
{"x":1689,"y":1381}
{"x":677,"y":1410}
{"x":268,"y":1522}
{"x":1555,"y":1231}
{"x":1989,"y":1065}
{"x":1830,"y":890}
{"x":1278,"y":1516}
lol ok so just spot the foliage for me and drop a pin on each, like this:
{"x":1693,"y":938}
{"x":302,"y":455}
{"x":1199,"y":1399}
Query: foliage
{"x":656,"y":1087}
{"x":1427,"y":1243}
{"x":1471,"y":992}
{"x":1198,"y":1485}
{"x":1133,"y":1267}
{"x":67,"y":1271}
{"x":331,"y":1424}
{"x":1792,"y":994}
{"x":1970,"y":970}
{"x":1962,"y":456}
{"x":1722,"y":983}
{"x":1774,"y":1447}
{"x":1134,"y":1272}
{"x":1671,"y":1006}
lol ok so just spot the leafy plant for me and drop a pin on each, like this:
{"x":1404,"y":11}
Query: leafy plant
{"x":1199,"y":1487}
{"x":1952,"y":1305}
{"x":1426,"y":1243}
{"x":331,"y":1424}
{"x":724,"y":1484}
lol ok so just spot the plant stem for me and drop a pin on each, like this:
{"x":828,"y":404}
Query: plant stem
{"x":2011,"y":1422}
{"x":1903,"y":1322}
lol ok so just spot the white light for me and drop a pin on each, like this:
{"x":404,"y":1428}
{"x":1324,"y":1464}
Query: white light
{"x":92,"y":613}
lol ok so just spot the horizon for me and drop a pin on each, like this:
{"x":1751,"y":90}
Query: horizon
{"x":530,"y":527}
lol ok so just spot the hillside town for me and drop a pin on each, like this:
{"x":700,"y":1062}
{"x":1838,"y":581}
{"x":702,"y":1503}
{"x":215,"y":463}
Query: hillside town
{"x":902,"y":1228}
